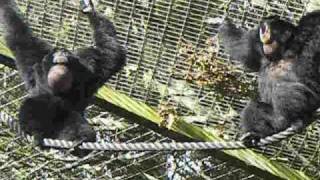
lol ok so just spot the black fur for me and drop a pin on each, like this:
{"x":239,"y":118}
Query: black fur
{"x":60,"y":115}
{"x":245,"y":45}
{"x":289,"y":81}
{"x":306,"y":32}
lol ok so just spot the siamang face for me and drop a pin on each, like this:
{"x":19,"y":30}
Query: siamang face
{"x":61,"y":56}
{"x":60,"y":77}
{"x":274,"y":34}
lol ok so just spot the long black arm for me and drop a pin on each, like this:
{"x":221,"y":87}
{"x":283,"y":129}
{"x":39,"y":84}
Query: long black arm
{"x":108,"y":56}
{"x":307,"y":34}
{"x":27,"y":48}
{"x":242,"y":45}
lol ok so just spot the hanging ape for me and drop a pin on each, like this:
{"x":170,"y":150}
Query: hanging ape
{"x":60,"y":83}
{"x":286,"y":58}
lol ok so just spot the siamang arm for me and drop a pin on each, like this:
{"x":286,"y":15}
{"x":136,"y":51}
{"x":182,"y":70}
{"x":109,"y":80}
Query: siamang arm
{"x":107,"y":57}
{"x":27,"y":49}
{"x":307,"y":29}
{"x":242,"y":45}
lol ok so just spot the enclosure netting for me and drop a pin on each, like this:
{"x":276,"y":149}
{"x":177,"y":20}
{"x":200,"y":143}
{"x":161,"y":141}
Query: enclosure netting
{"x":173,"y":61}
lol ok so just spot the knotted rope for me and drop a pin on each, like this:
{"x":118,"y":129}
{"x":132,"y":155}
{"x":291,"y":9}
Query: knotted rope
{"x":141,"y":146}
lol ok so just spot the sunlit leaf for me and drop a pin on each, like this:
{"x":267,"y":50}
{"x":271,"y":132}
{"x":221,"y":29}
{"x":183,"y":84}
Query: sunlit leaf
{"x":180,"y":126}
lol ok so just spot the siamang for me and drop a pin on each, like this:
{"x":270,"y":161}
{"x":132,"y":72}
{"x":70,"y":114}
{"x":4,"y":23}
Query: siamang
{"x":286,"y":58}
{"x":60,"y":83}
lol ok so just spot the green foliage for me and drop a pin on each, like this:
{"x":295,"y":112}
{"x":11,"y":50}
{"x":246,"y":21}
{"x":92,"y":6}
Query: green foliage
{"x":313,"y":5}
{"x":194,"y":132}
{"x":4,"y":49}
{"x":206,"y":69}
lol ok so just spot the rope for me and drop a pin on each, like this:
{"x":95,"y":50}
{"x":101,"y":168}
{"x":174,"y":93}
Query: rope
{"x":157,"y":146}
{"x":141,"y":146}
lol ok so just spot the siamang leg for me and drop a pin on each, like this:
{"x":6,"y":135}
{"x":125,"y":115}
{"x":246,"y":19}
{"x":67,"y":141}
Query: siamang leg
{"x":76,"y":127}
{"x":296,"y":103}
{"x":27,"y":49}
{"x":292,"y":106}
{"x":256,"y":121}
{"x":47,"y":116}
{"x":36,"y":115}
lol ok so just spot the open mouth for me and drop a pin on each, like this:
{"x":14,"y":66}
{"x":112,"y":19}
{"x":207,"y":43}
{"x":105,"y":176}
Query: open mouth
{"x":264,"y":32}
{"x":263,"y":29}
{"x":270,"y":48}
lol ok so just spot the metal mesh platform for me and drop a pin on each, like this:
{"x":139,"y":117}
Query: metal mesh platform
{"x":168,"y":44}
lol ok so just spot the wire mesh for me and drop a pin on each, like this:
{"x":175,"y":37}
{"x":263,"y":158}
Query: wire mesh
{"x":166,"y":42}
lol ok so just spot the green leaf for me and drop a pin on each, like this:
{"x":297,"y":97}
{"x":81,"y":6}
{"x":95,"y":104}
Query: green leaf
{"x":180,"y":126}
{"x":149,"y":177}
{"x":4,"y":50}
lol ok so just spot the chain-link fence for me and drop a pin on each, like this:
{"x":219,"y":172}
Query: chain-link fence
{"x":174,"y":63}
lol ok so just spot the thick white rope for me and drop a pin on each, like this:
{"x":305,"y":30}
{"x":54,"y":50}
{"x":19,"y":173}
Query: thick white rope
{"x":141,"y":146}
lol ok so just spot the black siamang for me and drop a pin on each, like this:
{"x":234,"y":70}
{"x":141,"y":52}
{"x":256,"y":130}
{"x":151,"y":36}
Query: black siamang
{"x":60,"y":83}
{"x":287,"y":60}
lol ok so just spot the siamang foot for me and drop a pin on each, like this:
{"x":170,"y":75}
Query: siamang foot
{"x":298,"y":125}
{"x":86,"y":6}
{"x":76,"y":128}
{"x":38,"y":140}
{"x":86,"y":134}
{"x":250,"y":139}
